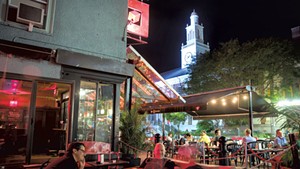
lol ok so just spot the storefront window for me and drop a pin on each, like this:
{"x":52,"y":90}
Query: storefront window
{"x":50,"y":120}
{"x":95,"y":112}
{"x":14,"y":115}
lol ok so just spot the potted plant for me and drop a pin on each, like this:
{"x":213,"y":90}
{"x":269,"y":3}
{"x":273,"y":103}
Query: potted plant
{"x":132,"y":135}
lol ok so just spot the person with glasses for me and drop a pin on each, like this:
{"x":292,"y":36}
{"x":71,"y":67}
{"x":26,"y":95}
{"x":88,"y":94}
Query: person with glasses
{"x":73,"y":159}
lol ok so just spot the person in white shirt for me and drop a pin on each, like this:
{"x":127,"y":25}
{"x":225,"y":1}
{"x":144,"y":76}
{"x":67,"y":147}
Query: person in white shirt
{"x":169,"y":137}
{"x":248,"y":138}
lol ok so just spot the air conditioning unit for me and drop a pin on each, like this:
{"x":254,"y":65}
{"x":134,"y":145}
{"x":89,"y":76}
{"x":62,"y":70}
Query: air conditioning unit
{"x":29,"y":14}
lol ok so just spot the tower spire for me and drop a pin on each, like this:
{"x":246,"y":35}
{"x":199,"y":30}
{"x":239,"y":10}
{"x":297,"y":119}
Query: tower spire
{"x":194,"y":41}
{"x":194,"y":18}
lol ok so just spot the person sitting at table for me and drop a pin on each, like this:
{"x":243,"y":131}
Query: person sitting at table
{"x":216,"y":138}
{"x":279,"y":141}
{"x":248,"y":138}
{"x":204,"y":138}
{"x":182,"y":140}
{"x":73,"y":159}
{"x":189,"y":137}
{"x":158,"y":161}
{"x":169,"y":143}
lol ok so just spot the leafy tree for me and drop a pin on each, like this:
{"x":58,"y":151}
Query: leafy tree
{"x":207,"y":125}
{"x":236,"y":123}
{"x":290,"y":117}
{"x":177,"y":119}
{"x":270,"y":63}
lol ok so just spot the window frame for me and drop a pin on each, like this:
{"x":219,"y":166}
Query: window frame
{"x":48,"y":20}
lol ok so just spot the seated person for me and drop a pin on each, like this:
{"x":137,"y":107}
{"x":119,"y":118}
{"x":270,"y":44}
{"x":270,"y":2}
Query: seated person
{"x":189,"y":137}
{"x":216,"y":138}
{"x":169,"y":143}
{"x":248,"y":138}
{"x":182,"y":140}
{"x":74,"y":158}
{"x":279,"y":141}
{"x":204,"y":138}
{"x":158,"y":161}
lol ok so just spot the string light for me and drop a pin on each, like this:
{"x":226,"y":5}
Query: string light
{"x":224,"y":101}
{"x":214,"y":101}
{"x":234,"y":100}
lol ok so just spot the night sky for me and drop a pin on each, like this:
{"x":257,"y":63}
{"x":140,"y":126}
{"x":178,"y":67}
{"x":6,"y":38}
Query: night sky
{"x":223,"y":20}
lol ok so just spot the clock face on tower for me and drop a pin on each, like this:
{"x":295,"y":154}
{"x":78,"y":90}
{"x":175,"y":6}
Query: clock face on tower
{"x":188,"y":57}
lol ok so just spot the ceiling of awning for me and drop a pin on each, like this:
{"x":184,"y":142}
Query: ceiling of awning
{"x":229,"y":103}
{"x":224,"y":103}
{"x":147,"y":84}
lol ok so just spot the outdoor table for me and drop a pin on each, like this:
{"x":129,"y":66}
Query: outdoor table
{"x":106,"y":164}
{"x":268,"y":150}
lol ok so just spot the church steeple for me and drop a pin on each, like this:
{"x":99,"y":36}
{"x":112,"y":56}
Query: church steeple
{"x":194,"y":18}
{"x":194,"y":31}
{"x":194,"y":41}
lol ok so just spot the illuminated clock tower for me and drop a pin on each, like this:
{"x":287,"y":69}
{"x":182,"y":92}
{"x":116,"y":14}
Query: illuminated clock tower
{"x":194,"y":41}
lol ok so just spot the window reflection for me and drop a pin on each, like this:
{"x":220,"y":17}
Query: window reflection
{"x":95,"y":112}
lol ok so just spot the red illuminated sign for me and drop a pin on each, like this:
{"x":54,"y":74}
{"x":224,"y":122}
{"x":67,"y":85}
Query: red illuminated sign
{"x":138,"y":18}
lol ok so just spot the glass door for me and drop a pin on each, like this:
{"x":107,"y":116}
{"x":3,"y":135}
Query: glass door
{"x":87,"y":104}
{"x":49,"y":135}
{"x":95,"y":112}
{"x":104,"y":113}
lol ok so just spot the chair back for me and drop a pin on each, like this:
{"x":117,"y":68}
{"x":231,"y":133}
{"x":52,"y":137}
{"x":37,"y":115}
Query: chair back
{"x":267,"y":144}
{"x":232,"y":147}
{"x":260,"y":144}
{"x":252,"y":144}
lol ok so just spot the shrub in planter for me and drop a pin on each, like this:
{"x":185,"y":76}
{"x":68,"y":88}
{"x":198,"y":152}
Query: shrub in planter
{"x":132,"y":135}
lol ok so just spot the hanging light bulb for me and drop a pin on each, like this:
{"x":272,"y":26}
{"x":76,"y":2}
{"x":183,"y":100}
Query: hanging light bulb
{"x":234,"y":100}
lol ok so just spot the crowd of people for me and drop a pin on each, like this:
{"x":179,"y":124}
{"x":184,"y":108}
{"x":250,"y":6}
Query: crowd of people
{"x":75,"y":155}
{"x":279,"y":141}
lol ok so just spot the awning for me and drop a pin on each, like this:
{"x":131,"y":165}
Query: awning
{"x":159,"y":97}
{"x":224,"y":103}
{"x":147,"y":84}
